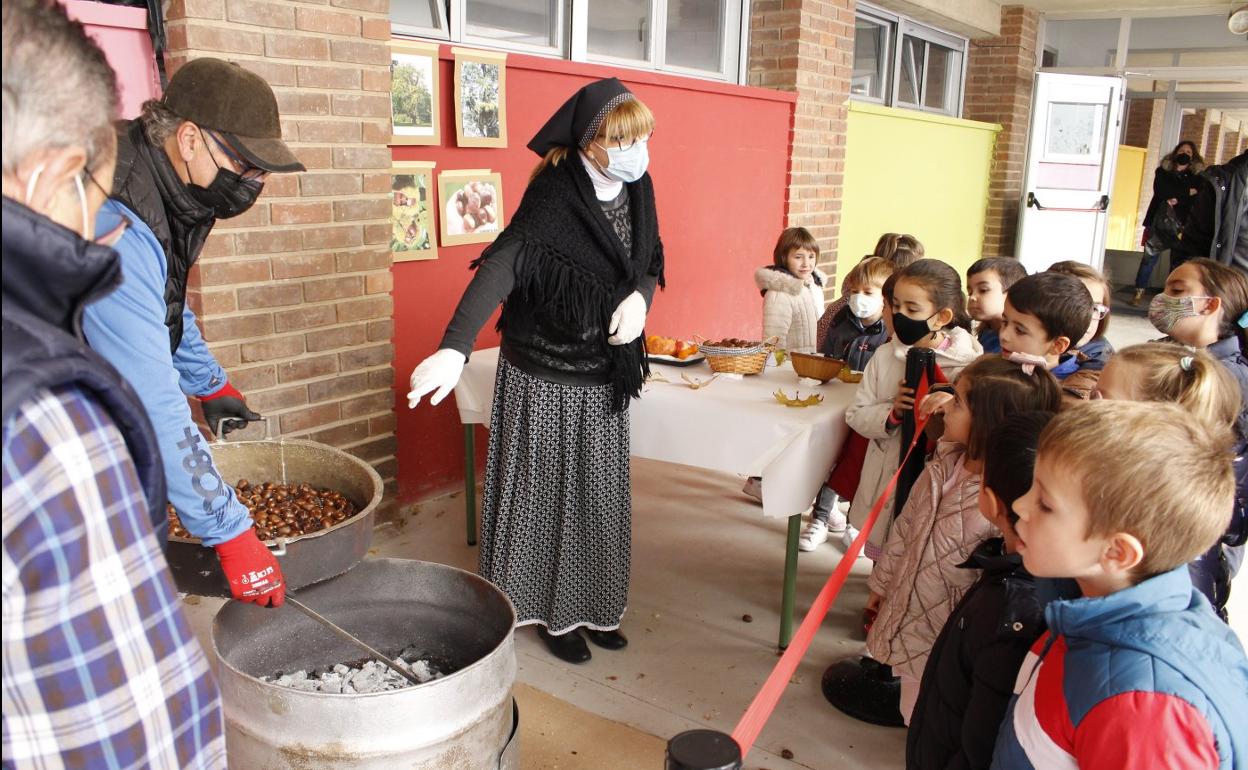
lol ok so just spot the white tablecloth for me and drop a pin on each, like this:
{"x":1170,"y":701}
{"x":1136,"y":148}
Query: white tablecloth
{"x":732,"y":425}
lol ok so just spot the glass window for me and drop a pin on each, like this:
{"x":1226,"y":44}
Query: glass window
{"x":1074,"y":129}
{"x":619,"y":29}
{"x":941,"y":78}
{"x":417,"y":15}
{"x":523,"y":22}
{"x":871,"y":39}
{"x":695,"y":34}
{"x":908,"y":79}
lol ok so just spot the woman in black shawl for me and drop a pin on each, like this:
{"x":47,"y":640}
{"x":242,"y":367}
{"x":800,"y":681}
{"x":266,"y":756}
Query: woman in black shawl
{"x":575,"y":271}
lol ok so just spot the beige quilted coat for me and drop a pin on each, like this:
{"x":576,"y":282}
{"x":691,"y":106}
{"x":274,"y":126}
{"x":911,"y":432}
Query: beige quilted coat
{"x":868,"y":415}
{"x":918,"y":575}
{"x":791,"y":309}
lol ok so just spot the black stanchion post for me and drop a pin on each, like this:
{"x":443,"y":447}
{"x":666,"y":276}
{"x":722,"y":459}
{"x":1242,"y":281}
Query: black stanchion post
{"x":703,"y":750}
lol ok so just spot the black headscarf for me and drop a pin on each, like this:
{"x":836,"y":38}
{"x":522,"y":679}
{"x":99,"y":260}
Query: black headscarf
{"x":576,"y":123}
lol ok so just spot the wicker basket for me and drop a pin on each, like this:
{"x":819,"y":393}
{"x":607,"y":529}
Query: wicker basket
{"x":749,"y":360}
{"x":815,"y":367}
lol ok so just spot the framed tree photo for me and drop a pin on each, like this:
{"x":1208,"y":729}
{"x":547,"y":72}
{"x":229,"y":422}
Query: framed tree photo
{"x":471,"y":206}
{"x":414,"y":93}
{"x":412,"y":234}
{"x":480,"y":98}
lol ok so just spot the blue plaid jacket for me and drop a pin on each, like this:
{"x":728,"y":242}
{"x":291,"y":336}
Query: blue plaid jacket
{"x":100,"y":667}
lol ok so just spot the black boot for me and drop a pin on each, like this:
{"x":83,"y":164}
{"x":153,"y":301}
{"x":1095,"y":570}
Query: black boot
{"x":608,"y":640}
{"x":568,"y":647}
{"x":866,"y":690}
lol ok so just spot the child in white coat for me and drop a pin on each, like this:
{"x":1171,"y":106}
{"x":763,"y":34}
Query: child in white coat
{"x":792,"y":289}
{"x":928,"y":309}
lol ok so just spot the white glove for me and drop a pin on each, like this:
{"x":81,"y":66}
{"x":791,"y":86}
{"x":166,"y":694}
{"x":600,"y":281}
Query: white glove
{"x":628,"y":320}
{"x":439,"y":372}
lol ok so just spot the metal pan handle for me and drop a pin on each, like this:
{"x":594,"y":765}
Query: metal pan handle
{"x":278,"y":546}
{"x":219,"y":435}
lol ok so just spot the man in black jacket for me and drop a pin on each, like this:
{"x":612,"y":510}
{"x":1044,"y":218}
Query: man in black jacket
{"x":1217,"y":225}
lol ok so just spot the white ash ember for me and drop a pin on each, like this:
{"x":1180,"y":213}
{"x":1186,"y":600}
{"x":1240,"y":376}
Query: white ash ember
{"x":369,"y":677}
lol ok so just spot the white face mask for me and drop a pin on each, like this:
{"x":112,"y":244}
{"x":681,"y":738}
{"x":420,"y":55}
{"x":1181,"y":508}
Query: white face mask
{"x":82,"y":198}
{"x":865,"y":305}
{"x":628,"y":165}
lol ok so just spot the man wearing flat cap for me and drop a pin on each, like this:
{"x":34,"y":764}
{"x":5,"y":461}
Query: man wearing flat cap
{"x":199,"y":154}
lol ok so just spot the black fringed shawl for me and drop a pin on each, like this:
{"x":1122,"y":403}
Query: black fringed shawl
{"x":572,"y":266}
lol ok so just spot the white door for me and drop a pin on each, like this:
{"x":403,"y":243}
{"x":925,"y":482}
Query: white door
{"x":1071,"y":150}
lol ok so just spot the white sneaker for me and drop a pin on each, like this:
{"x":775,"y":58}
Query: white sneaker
{"x":837,"y":522}
{"x":851,"y":534}
{"x":754,"y":488}
{"x":816,"y":534}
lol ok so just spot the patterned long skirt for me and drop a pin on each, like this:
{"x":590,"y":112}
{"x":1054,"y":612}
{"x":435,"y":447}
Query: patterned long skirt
{"x":556,"y":519}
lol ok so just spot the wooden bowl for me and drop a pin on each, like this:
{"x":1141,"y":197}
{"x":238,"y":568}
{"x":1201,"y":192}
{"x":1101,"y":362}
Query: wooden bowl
{"x":816,"y":367}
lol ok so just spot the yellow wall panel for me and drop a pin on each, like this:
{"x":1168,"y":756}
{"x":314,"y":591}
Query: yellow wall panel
{"x":1124,"y":199}
{"x":912,"y":172}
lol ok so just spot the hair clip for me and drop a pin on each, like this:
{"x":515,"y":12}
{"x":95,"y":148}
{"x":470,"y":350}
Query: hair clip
{"x":1028,"y":361}
{"x":1243,"y":320}
{"x":1185,"y":363}
{"x":1099,"y":312}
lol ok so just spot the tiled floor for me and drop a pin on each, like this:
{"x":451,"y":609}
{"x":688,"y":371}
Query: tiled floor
{"x":703,"y":559}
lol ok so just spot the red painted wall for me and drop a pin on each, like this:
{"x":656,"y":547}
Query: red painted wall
{"x":719,"y":160}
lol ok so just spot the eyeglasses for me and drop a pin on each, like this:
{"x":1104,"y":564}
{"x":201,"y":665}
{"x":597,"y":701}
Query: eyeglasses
{"x":244,"y":169}
{"x":111,"y":237}
{"x":619,"y":143}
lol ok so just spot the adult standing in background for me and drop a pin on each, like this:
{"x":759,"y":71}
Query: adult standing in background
{"x":100,"y":666}
{"x":199,"y":154}
{"x":1175,"y":183}
{"x":575,"y":271}
{"x":1217,"y":225}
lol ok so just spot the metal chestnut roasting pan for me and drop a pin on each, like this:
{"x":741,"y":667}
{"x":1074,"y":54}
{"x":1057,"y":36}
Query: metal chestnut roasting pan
{"x":305,"y":559}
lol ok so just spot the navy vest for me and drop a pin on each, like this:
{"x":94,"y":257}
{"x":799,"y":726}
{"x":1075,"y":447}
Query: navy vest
{"x":50,"y":275}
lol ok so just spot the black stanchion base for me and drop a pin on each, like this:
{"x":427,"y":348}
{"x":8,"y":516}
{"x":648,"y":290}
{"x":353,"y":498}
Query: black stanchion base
{"x":866,"y":690}
{"x":703,"y":750}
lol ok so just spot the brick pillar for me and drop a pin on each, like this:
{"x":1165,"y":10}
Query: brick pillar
{"x":294,"y":295}
{"x":999,"y":80}
{"x":1230,"y":142}
{"x":1146,"y":134}
{"x":807,"y":46}
{"x":1192,"y":129}
{"x":1140,"y":121}
{"x":1213,"y":142}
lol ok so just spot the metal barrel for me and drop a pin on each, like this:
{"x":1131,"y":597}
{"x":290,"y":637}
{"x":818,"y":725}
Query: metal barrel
{"x":457,"y":620}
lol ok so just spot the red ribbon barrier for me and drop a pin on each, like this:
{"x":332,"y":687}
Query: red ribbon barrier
{"x":764,"y":703}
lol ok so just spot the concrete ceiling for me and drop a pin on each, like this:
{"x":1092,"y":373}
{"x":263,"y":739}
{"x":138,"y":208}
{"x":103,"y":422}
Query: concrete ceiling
{"x":1170,"y":7}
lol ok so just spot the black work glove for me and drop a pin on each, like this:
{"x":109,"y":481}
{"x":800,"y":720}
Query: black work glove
{"x":227,"y":404}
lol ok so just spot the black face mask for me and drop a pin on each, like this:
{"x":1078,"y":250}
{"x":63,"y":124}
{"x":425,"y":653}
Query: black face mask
{"x":228,"y":195}
{"x":910,"y":330}
{"x":1182,"y":160}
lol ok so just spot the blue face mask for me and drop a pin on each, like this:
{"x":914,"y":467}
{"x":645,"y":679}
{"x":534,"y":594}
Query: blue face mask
{"x":628,"y":165}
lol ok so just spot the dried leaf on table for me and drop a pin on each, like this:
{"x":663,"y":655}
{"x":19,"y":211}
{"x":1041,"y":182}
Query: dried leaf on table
{"x":797,"y":400}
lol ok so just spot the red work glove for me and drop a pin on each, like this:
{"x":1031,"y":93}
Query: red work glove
{"x":226,"y":403}
{"x":252,"y":570}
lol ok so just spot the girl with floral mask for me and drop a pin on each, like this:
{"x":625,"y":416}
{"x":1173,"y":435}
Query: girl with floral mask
{"x":1205,"y":306}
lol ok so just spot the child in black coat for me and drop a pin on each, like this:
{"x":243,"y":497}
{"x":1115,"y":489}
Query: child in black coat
{"x":970,"y":675}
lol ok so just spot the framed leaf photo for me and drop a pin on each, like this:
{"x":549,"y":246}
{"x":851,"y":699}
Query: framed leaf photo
{"x":412,"y":234}
{"x":480,"y":98}
{"x":471,"y":206}
{"x":414,"y":93}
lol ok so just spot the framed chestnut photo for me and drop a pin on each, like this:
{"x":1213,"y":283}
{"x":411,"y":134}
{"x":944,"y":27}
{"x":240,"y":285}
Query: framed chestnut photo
{"x":480,"y":98}
{"x":471,"y":206}
{"x":412,"y":236}
{"x":414,"y":93}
